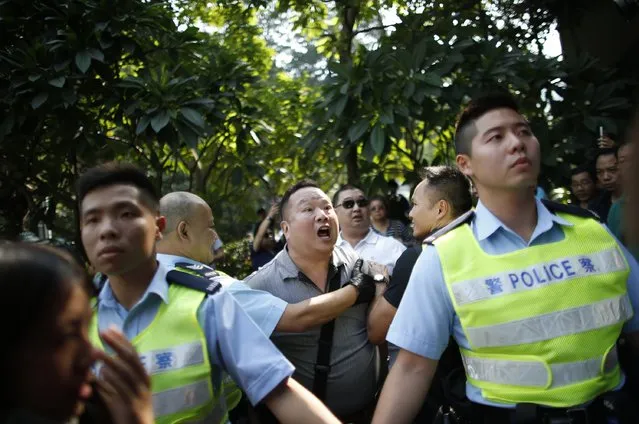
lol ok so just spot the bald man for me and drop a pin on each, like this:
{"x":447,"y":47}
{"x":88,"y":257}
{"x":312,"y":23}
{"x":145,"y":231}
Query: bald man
{"x":187,"y":239}
{"x":186,"y":245}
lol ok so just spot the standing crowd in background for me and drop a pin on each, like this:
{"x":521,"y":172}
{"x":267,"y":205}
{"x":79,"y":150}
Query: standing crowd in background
{"x":479,"y":301}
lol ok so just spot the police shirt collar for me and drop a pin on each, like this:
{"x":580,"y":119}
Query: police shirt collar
{"x":290,"y":270}
{"x":169,"y":261}
{"x":486,"y":223}
{"x":158,"y":287}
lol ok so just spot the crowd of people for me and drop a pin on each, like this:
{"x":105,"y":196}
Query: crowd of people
{"x":494,"y":308}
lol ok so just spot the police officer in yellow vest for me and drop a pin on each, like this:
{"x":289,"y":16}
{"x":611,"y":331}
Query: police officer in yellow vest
{"x":185,"y":329}
{"x":535,"y":294}
{"x":186,"y":246}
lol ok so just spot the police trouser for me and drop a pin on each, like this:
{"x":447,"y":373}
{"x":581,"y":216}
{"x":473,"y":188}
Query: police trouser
{"x":609,"y":408}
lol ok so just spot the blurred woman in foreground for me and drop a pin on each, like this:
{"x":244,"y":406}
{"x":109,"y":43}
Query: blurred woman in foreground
{"x":46,"y":359}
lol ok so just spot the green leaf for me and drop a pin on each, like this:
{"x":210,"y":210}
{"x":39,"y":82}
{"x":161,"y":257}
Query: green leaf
{"x":419,"y":95}
{"x":357,"y":130}
{"x":339,"y":69}
{"x":403,"y":110}
{"x":96,"y":54}
{"x":6,"y":126}
{"x":432,"y":79}
{"x":58,"y":82}
{"x":614,"y":103}
{"x":83,"y":61}
{"x":193,"y":116}
{"x":237,"y":175}
{"x":39,"y":100}
{"x":368,"y":152}
{"x":591,"y":123}
{"x":69,"y":97}
{"x":378,"y":139}
{"x":387,"y":116}
{"x":456,"y":58}
{"x":190,"y":137}
{"x":344,"y":88}
{"x":409,"y":89}
{"x":128,"y":110}
{"x":100,"y":26}
{"x":420,"y":53}
{"x":160,"y":120}
{"x":62,"y":65}
{"x":340,"y":105}
{"x":203,"y":102}
{"x":34,"y":78}
{"x":142,"y":124}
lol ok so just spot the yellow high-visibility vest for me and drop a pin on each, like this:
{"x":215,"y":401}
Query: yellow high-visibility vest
{"x":542,"y":322}
{"x":174,"y":352}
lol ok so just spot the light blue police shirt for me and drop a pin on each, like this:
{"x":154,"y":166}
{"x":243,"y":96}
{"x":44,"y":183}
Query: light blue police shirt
{"x":426,"y":318}
{"x":235,"y":343}
{"x":264,"y":308}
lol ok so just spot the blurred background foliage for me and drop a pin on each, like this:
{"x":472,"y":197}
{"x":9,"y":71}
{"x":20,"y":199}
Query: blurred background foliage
{"x":234,"y":100}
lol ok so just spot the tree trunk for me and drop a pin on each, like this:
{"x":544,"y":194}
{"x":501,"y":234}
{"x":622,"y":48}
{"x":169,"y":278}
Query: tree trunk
{"x":349,"y":16}
{"x":352,"y":166}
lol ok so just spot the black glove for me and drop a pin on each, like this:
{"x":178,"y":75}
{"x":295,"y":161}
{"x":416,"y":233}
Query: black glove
{"x":364,"y":283}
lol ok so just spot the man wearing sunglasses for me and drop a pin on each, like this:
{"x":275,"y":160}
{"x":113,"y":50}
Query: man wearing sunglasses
{"x":354,"y":218}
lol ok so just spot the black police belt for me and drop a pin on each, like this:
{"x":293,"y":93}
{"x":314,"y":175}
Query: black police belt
{"x":526,"y":413}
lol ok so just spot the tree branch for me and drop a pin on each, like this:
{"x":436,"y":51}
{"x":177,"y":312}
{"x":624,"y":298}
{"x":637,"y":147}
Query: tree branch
{"x":399,"y":149}
{"x":375,"y":28}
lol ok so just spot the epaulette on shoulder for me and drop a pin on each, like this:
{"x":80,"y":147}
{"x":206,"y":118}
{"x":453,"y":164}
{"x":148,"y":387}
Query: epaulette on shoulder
{"x":555,"y":207}
{"x":202,"y":270}
{"x":462,"y":219}
{"x":205,"y":280}
{"x":99,"y":280}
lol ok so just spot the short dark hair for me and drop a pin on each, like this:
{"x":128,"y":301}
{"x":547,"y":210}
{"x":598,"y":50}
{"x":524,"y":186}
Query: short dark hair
{"x":344,"y":188}
{"x":587,"y":168}
{"x":465,"y":129}
{"x":113,"y":173}
{"x":605,"y":152}
{"x":305,"y":183}
{"x":35,"y":281}
{"x":451,"y":185}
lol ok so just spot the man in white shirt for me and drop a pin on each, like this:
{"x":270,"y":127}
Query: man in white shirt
{"x":351,"y":206}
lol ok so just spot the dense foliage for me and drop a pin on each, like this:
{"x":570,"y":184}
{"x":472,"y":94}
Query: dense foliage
{"x":197,"y":93}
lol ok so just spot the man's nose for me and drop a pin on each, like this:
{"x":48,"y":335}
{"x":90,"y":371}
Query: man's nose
{"x":108,"y":229}
{"x":516,"y":143}
{"x":322,"y":215}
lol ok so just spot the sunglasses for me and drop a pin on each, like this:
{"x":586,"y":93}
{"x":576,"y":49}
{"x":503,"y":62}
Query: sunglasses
{"x":348,"y":204}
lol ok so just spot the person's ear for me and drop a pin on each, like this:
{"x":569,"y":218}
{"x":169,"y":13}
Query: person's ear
{"x":464,"y":163}
{"x":182,"y":230}
{"x":285,"y":227}
{"x":442,"y":208}
{"x":160,"y":225}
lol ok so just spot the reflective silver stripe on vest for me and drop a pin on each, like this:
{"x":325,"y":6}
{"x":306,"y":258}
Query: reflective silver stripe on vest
{"x":217,"y":416}
{"x":549,"y":326}
{"x":181,"y":398}
{"x":538,"y":276}
{"x":158,"y":361}
{"x":535,"y":374}
{"x":175,"y":358}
